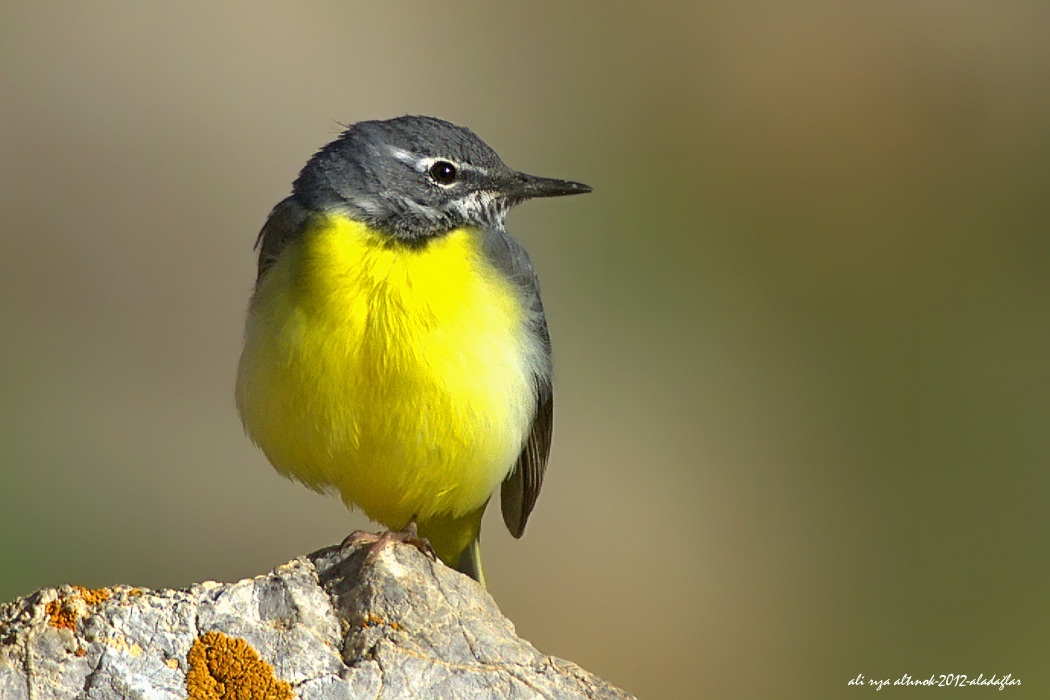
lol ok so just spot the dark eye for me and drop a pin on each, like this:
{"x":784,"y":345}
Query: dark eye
{"x":443,"y":172}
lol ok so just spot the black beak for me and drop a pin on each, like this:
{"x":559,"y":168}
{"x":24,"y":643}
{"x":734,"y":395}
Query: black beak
{"x":520,"y":187}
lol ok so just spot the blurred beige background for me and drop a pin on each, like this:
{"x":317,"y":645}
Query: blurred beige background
{"x":802,"y":325}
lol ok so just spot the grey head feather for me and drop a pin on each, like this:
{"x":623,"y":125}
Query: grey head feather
{"x":378,"y":172}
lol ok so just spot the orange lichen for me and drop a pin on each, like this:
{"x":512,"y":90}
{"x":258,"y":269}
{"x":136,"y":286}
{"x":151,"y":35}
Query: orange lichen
{"x":62,"y":614}
{"x":228,"y":668}
{"x":64,"y":610}
{"x":373,"y":620}
{"x":99,"y":595}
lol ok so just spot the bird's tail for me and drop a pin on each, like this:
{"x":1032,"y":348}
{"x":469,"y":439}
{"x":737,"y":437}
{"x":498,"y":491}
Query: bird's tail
{"x":470,"y":562}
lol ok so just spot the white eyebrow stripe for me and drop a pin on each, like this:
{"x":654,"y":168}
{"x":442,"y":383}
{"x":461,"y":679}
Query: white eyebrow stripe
{"x":405,"y":157}
{"x":422,"y":163}
{"x":471,"y":168}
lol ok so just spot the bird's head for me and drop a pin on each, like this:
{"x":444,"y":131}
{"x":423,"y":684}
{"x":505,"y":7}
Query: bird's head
{"x":418,"y":177}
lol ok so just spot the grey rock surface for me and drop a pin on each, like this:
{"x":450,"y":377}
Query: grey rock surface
{"x":326,"y":625}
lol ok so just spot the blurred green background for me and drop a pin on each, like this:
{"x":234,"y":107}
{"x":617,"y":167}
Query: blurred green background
{"x":802,"y":325}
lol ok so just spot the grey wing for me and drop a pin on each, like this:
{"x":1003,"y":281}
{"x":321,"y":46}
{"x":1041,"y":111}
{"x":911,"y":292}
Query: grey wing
{"x":521,"y":488}
{"x":285,"y":224}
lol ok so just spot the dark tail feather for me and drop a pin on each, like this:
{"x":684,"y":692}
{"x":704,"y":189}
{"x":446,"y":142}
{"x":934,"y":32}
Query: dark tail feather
{"x":470,"y":562}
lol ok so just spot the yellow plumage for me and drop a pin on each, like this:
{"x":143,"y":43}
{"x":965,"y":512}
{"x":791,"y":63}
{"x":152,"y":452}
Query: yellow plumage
{"x":396,"y":375}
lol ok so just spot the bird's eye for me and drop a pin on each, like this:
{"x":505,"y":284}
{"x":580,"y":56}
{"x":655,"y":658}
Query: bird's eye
{"x":443,"y":172}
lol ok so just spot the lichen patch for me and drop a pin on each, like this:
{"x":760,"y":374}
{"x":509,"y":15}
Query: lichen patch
{"x":64,"y":611}
{"x":228,"y":668}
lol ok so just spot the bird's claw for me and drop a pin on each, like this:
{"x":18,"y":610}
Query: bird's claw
{"x":377,"y":541}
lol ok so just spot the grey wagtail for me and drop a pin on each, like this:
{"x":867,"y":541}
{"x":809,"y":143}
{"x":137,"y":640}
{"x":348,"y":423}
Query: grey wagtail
{"x":396,"y":350}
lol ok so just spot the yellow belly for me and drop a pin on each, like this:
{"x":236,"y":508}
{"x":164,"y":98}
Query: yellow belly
{"x":397,"y":377}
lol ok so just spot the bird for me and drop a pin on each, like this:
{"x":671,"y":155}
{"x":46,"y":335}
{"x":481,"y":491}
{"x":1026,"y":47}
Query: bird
{"x":396,"y":351}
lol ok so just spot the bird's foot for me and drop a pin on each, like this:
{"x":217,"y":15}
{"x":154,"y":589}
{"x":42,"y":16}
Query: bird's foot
{"x":378,"y":540}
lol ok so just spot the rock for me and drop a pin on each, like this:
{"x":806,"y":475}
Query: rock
{"x":327,"y":625}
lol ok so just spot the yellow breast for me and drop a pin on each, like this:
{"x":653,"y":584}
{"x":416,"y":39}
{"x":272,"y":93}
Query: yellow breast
{"x":397,"y":376}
